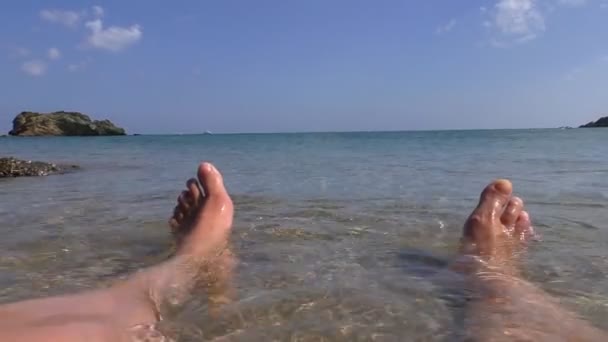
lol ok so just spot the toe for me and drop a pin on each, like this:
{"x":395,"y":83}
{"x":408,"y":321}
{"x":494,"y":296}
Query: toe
{"x":512,"y":212}
{"x":211,"y":180}
{"x":194,"y":189}
{"x":178,"y":215}
{"x":184,"y":201}
{"x":494,"y":198}
{"x":523,"y":226}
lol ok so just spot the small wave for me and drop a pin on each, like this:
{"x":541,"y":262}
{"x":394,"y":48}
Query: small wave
{"x":580,"y":223}
{"x":568,"y":204}
{"x":316,"y":213}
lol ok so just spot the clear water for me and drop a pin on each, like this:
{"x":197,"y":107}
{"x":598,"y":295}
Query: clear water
{"x":341,"y":236}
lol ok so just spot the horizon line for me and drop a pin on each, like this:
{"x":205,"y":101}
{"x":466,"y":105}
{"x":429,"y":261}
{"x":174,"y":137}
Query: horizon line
{"x":361,"y":131}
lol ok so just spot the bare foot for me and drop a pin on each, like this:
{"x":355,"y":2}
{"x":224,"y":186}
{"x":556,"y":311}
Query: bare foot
{"x":503,"y":306}
{"x":202,"y":219}
{"x":132,"y":308}
{"x":498,"y":228}
{"x":201,"y":224}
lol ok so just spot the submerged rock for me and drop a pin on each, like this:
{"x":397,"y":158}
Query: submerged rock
{"x":602,"y":122}
{"x":62,"y":124}
{"x":13,"y":167}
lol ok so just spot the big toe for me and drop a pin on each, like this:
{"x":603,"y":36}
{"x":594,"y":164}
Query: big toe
{"x":494,"y":198}
{"x":217,"y":200}
{"x":211,"y":180}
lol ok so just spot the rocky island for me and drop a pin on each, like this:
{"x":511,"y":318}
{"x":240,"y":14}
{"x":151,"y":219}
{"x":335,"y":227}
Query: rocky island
{"x":62,"y":124}
{"x":601,"y":122}
{"x":13,"y":167}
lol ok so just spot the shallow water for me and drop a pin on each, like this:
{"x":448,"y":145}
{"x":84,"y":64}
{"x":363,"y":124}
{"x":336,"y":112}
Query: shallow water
{"x":341,"y":236}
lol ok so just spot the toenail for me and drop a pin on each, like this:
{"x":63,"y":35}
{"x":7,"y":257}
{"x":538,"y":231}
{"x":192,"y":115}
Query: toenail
{"x":524,"y":216}
{"x":503,"y":185}
{"x":517,"y":201}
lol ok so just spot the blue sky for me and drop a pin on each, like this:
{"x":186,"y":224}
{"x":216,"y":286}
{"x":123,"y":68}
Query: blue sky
{"x":316,"y":65}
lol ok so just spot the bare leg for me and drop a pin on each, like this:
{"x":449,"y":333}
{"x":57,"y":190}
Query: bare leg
{"x":505,"y":307}
{"x":128,"y":310}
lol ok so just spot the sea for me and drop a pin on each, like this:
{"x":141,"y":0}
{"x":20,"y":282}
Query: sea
{"x":339,"y":236}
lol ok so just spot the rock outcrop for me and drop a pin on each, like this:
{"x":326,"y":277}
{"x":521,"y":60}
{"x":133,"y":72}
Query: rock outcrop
{"x":13,"y":167}
{"x":602,"y":122}
{"x":62,"y":124}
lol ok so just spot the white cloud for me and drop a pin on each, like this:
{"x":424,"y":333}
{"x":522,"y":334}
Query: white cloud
{"x":67,"y":18}
{"x":98,"y":11}
{"x":446,"y":28}
{"x":113,"y":38}
{"x":34,"y":68}
{"x":515,"y":21}
{"x":54,"y":53}
{"x":572,"y":3}
{"x":518,"y":17}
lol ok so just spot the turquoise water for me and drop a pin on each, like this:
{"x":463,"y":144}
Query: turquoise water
{"x":341,"y":236}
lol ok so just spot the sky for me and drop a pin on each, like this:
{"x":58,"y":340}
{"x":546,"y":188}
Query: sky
{"x":231,"y":66}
